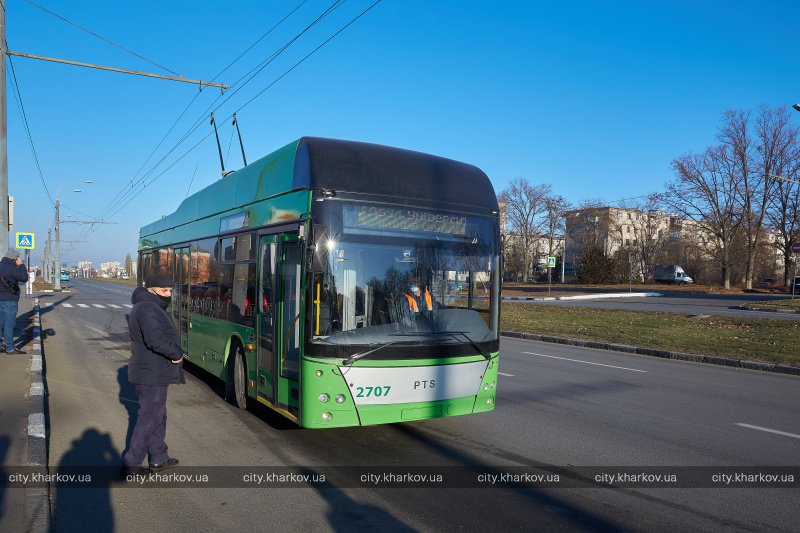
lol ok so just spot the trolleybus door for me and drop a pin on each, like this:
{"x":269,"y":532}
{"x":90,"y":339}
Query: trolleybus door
{"x":291,"y":322}
{"x":265,"y":323}
{"x":180,"y":295}
{"x":279,"y":335}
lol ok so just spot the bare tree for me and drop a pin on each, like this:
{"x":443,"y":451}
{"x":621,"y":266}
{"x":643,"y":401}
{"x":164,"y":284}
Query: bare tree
{"x":756,"y":168}
{"x":129,"y":265}
{"x":783,"y":214}
{"x":650,"y":235}
{"x":705,"y":192}
{"x":554,"y":226}
{"x":524,"y":205}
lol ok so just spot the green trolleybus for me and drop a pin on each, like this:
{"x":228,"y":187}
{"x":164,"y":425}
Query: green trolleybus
{"x":294,"y":283}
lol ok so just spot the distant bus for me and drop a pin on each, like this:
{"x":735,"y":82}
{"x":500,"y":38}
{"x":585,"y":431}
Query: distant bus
{"x":64,"y":275}
{"x":292,"y":279}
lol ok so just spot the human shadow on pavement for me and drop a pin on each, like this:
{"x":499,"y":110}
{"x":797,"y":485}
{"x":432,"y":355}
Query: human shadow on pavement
{"x":83,"y":509}
{"x":346,"y":514}
{"x":129,"y":400}
{"x":5,"y":443}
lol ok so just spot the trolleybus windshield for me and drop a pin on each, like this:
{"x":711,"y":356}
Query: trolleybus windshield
{"x":377,"y":255}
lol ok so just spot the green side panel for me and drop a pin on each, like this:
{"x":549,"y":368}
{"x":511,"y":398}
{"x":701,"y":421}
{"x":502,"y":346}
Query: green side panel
{"x":209,"y":344}
{"x":284,"y":208}
{"x":269,"y":176}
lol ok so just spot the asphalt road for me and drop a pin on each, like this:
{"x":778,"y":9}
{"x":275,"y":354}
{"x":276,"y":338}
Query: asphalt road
{"x":683,"y":303}
{"x":556,"y":405}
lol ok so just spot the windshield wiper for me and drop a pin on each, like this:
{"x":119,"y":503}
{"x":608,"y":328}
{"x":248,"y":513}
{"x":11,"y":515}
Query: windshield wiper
{"x":472,"y":342}
{"x":356,"y":356}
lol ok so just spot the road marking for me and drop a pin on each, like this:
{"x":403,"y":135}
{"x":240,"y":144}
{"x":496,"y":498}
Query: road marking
{"x":67,"y":305}
{"x":504,"y":374}
{"x":128,"y":305}
{"x":759,"y":428}
{"x":585,"y":362}
{"x":83,"y":305}
{"x":100,"y":306}
{"x":115,"y":306}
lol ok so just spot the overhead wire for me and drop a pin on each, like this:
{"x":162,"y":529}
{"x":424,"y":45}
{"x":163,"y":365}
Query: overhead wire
{"x":28,"y":133}
{"x":120,"y":196}
{"x":189,"y":105}
{"x":148,"y":183}
{"x":109,"y":41}
{"x":133,"y":191}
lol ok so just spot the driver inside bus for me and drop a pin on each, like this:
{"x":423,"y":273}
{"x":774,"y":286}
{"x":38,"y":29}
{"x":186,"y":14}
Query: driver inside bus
{"x":418,"y":297}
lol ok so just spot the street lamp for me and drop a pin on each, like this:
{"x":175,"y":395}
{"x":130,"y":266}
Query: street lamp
{"x":57,"y":258}
{"x":796,"y":107}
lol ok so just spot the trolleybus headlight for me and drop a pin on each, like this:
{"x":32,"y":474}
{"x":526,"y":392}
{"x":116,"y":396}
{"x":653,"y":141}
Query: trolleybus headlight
{"x":486,"y":387}
{"x":489,"y":401}
{"x":318,"y":373}
{"x":324,"y":398}
{"x":326,"y":417}
{"x":339,"y":398}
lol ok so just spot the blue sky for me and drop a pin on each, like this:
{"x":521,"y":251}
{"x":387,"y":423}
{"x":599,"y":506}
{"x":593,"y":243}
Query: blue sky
{"x":594,"y":98}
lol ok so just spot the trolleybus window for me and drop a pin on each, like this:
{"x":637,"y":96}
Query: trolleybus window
{"x":374,"y":256}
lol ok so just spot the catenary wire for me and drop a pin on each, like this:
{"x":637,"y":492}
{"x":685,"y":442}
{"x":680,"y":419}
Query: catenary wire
{"x":134,"y":183}
{"x":189,"y":105}
{"x":20,"y":104}
{"x":146,"y":184}
{"x":109,"y":41}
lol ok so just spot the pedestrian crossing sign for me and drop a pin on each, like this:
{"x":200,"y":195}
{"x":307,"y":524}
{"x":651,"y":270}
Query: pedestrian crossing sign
{"x":551,"y":262}
{"x":25,"y":241}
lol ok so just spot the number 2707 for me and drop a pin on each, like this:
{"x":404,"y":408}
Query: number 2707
{"x":366,"y":392}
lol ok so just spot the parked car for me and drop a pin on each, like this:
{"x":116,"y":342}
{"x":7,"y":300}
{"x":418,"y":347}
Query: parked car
{"x":769,"y":282}
{"x":796,"y":285}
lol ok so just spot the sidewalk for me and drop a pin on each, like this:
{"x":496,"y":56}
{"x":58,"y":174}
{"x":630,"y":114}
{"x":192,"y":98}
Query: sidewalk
{"x":14,"y":388}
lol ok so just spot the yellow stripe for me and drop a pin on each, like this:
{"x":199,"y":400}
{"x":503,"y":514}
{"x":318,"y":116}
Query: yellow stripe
{"x":317,"y":302}
{"x":285,"y":413}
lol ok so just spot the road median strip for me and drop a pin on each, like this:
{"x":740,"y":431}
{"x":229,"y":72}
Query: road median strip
{"x":652,"y":352}
{"x":756,"y":343}
{"x":582,"y":296}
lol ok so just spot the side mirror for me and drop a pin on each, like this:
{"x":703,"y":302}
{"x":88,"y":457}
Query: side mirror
{"x":318,"y":249}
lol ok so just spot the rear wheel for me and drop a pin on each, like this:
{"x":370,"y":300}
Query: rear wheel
{"x":236,"y":385}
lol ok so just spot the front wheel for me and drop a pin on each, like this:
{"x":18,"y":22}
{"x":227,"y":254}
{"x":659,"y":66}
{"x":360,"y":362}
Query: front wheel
{"x":235,"y":387}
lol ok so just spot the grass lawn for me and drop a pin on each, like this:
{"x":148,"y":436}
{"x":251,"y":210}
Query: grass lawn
{"x":779,"y":304}
{"x":752,"y":339}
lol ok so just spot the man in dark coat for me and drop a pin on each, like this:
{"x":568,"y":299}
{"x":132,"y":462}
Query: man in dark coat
{"x":12,"y":273}
{"x":154,"y":365}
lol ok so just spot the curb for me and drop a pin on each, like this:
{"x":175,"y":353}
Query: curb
{"x":664,"y":354}
{"x":768,"y":310}
{"x":37,"y":500}
{"x":581,"y":296}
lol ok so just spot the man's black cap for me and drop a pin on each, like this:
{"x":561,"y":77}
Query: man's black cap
{"x":159,"y":280}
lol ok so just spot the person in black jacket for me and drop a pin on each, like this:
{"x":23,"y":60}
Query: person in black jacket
{"x":12,"y":273}
{"x":154,"y":365}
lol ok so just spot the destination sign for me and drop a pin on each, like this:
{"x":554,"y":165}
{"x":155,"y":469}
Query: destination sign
{"x":403,"y":219}
{"x":234,"y":222}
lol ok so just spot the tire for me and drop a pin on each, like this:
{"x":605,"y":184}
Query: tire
{"x":236,"y":385}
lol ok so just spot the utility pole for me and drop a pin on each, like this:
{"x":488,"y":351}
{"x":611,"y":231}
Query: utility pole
{"x":4,"y":220}
{"x":57,"y":282}
{"x":3,"y":137}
